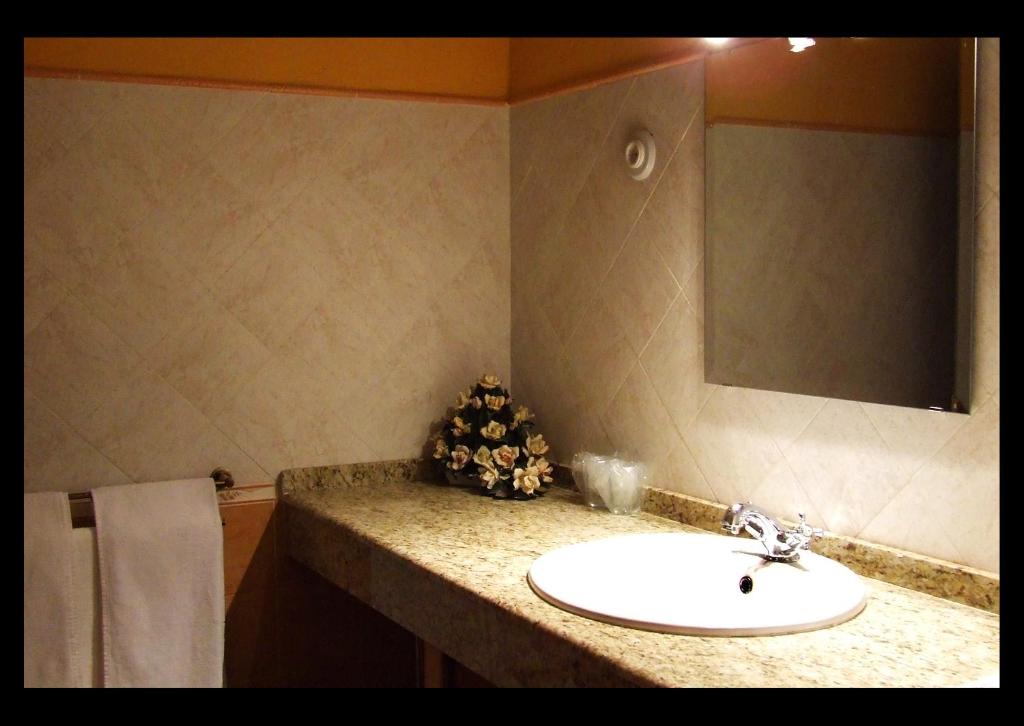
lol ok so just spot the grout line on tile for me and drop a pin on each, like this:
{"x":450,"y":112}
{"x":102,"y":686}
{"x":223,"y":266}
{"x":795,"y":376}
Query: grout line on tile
{"x":102,"y":117}
{"x":138,"y":362}
{"x":664,"y":262}
{"x":789,"y":463}
{"x":860,"y":405}
{"x":993,"y":197}
{"x":237,"y":445}
{"x":615,"y":118}
{"x":707,"y":479}
{"x":263,"y":228}
{"x":49,"y":313}
{"x":878,"y":514}
{"x":647,"y":200}
{"x":650,"y":380}
{"x":629,"y":234}
{"x":515,"y":197}
{"x":611,"y":399}
{"x":594,"y":156}
{"x":925,"y":461}
{"x":664,"y":316}
{"x":212,"y":420}
{"x":801,"y":487}
{"x":591,"y":165}
{"x":529,"y":162}
{"x":692,"y":303}
{"x":84,"y":439}
{"x":715,"y":387}
{"x":661,"y":175}
{"x":904,"y":531}
{"x":692,"y":312}
{"x":824,"y":402}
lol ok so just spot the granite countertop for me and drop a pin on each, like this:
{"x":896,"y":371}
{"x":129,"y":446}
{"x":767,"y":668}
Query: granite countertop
{"x":450,"y":565}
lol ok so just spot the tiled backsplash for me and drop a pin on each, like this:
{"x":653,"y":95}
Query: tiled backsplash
{"x":252,"y":280}
{"x":607,"y":335}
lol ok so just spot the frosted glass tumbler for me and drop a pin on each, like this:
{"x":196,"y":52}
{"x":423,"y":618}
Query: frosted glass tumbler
{"x":598,"y":469}
{"x":625,"y":486}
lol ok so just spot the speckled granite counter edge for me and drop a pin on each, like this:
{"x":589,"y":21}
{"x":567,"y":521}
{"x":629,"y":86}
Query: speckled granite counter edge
{"x":948,"y":580}
{"x":320,"y":477}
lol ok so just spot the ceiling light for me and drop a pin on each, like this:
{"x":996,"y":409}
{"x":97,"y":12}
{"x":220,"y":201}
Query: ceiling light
{"x":798,"y":45}
{"x":717,"y":41}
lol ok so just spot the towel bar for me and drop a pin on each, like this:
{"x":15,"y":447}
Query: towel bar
{"x":81,"y":502}
{"x":222,"y":479}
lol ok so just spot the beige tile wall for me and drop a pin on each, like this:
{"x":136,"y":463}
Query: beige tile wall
{"x":252,"y":280}
{"x":607,"y":335}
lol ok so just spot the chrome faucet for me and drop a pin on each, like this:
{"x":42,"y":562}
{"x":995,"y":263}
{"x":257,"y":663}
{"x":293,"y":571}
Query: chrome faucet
{"x":781,"y":544}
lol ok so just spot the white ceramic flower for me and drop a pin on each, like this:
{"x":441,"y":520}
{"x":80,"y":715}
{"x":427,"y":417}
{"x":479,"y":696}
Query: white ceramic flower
{"x":494,"y":402}
{"x":506,"y":455}
{"x":477,"y":403}
{"x":440,"y":449}
{"x":461,"y":427}
{"x":544,"y":468}
{"x":535,"y":445}
{"x":459,"y":457}
{"x":482,"y":455}
{"x":526,"y":479}
{"x":463,"y":398}
{"x":522,"y":414}
{"x":493,"y":431}
{"x":490,"y":381}
{"x":489,"y":475}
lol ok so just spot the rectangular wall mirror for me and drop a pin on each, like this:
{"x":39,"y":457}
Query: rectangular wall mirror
{"x":839,"y":222}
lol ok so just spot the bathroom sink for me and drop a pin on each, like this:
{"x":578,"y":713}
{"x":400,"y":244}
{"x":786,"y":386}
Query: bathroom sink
{"x":696,"y":584}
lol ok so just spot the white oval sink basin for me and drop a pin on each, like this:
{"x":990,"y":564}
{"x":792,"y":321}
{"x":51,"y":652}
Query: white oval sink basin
{"x":677,"y":582}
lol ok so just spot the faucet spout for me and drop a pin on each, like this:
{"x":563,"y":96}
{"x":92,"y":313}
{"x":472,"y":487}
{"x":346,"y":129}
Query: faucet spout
{"x":781,"y":544}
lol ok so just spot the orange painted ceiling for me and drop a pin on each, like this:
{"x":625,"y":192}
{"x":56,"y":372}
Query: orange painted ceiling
{"x":474,"y":69}
{"x":494,"y":70}
{"x":545,"y":65}
{"x":503,"y":70}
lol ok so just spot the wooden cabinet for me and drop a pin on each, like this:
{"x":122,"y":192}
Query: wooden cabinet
{"x":251,"y":594}
{"x":289,"y":627}
{"x":437,"y":670}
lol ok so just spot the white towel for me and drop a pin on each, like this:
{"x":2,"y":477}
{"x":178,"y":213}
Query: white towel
{"x":161,"y":555}
{"x":85,"y":602}
{"x":50,"y":650}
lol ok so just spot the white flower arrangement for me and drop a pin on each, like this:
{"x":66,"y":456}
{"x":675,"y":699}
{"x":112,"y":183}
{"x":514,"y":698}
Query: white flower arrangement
{"x":484,"y":442}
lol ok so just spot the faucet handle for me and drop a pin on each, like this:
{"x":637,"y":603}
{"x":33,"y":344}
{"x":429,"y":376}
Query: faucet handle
{"x":814,"y":531}
{"x":805,"y":532}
